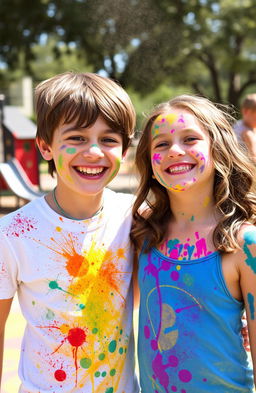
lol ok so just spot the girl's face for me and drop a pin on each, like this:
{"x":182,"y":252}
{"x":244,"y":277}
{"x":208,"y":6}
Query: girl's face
{"x":180,"y":151}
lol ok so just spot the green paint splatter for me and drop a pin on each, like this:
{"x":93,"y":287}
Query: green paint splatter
{"x":192,"y":218}
{"x":112,"y":372}
{"x":71,"y":150}
{"x":249,"y":239}
{"x":109,"y":390}
{"x":115,"y":172}
{"x":250,"y":299}
{"x":112,"y":346}
{"x":60,"y":161}
{"x":85,"y":362}
{"x":103,"y":374}
{"x":97,"y":374}
{"x":121,"y":351}
{"x":94,"y":330}
{"x":102,"y":356}
{"x":50,"y":314}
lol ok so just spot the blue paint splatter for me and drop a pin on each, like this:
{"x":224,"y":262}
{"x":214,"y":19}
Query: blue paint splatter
{"x":250,"y":299}
{"x":249,"y":239}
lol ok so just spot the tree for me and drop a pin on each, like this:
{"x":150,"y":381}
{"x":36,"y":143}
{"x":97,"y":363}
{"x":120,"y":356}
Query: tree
{"x":204,"y":44}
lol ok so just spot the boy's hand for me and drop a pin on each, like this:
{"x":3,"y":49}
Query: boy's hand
{"x":245,"y":334}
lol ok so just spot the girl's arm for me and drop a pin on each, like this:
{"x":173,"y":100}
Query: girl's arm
{"x":247,"y":269}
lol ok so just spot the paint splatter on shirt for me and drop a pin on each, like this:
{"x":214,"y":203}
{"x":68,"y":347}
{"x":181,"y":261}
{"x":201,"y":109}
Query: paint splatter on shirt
{"x":73,"y":280}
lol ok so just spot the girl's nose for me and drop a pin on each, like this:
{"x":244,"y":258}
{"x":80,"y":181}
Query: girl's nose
{"x":176,"y":150}
{"x":94,"y":151}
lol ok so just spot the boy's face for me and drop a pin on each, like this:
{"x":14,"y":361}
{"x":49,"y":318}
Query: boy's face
{"x":249,"y":117}
{"x":86,"y":159}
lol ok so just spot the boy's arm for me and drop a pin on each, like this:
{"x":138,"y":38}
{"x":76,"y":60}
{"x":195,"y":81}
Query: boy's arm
{"x":247,"y":268}
{"x":5,"y":305}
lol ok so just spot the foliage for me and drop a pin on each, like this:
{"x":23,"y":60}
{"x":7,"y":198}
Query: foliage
{"x":204,"y":45}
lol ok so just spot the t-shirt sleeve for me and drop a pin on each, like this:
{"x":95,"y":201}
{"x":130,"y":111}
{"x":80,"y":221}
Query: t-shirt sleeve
{"x":8,"y":269}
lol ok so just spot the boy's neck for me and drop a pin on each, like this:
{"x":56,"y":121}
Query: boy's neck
{"x":76,"y":207}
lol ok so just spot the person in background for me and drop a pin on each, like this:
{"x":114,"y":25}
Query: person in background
{"x":245,"y":129}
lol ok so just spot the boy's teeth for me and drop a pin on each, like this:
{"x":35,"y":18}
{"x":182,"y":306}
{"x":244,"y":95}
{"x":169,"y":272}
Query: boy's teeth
{"x":180,"y":168}
{"x":89,"y":171}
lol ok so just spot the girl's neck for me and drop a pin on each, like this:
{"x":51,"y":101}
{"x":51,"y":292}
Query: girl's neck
{"x":187,"y":209}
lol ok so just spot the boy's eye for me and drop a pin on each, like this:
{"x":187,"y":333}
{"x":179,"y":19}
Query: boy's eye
{"x":77,"y":138}
{"x":109,"y":140}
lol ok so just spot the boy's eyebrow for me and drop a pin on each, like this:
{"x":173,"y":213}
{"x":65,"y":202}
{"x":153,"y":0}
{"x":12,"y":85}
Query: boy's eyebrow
{"x":78,"y":128}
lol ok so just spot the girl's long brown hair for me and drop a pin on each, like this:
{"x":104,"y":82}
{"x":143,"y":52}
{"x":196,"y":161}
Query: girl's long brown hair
{"x":234,"y":184}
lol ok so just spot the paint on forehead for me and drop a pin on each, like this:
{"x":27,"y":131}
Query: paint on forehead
{"x":71,"y":150}
{"x":163,"y":120}
{"x":115,"y":171}
{"x":156,"y":159}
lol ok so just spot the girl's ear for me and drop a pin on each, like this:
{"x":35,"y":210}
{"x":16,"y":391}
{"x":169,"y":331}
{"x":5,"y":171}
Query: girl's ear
{"x":45,"y":149}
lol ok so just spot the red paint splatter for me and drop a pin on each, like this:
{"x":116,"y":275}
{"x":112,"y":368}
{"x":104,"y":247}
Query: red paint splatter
{"x":20,"y":225}
{"x":76,"y":337}
{"x":60,"y":375}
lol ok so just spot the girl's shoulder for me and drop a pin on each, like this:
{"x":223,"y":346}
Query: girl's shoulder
{"x":247,"y":241}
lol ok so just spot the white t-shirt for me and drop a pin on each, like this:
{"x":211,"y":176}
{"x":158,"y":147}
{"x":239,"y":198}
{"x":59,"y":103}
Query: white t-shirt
{"x":73,"y":280}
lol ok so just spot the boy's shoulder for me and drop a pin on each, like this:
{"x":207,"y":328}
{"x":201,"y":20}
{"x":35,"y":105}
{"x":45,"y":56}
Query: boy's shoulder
{"x":31,"y":209}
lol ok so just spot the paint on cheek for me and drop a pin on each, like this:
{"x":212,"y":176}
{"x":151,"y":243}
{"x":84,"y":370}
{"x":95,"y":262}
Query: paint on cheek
{"x":60,"y":162}
{"x":156,"y":159}
{"x":116,"y":169}
{"x":250,"y":240}
{"x":250,"y":299}
{"x":71,"y":150}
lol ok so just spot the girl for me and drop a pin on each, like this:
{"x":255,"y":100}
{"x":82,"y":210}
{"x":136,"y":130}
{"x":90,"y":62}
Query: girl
{"x":197,"y":265}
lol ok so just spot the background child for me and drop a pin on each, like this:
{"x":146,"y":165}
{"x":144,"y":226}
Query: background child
{"x":245,"y":128}
{"x":198,"y":260}
{"x":67,"y":254}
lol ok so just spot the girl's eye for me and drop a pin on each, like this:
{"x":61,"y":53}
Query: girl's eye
{"x":191,"y":139}
{"x":161,"y":144}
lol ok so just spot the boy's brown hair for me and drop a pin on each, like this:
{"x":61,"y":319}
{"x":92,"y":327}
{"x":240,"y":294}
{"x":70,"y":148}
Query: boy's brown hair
{"x":81,"y":98}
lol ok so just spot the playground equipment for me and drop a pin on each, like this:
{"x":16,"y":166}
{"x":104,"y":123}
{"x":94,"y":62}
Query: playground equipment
{"x":18,"y":181}
{"x":19,"y":141}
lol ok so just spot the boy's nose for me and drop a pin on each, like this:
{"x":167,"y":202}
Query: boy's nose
{"x":93,"y":151}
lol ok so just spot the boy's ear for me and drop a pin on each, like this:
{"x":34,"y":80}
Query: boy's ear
{"x":45,"y":149}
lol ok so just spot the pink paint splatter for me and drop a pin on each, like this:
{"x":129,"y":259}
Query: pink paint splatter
{"x":156,"y":158}
{"x":20,"y":225}
{"x":185,"y":375}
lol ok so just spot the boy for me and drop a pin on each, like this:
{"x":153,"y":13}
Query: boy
{"x":67,"y":254}
{"x":245,"y":128}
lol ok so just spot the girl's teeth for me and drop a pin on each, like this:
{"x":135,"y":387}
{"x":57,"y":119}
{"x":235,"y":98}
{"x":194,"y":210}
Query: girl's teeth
{"x":180,"y":168}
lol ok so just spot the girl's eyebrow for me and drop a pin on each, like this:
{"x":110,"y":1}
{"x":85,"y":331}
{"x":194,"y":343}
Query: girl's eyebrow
{"x":184,"y":130}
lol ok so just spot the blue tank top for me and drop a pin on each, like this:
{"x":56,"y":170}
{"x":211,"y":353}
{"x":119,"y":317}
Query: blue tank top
{"x":189,"y":328}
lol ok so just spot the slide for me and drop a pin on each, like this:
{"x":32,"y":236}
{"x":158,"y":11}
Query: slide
{"x":18,"y":181}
